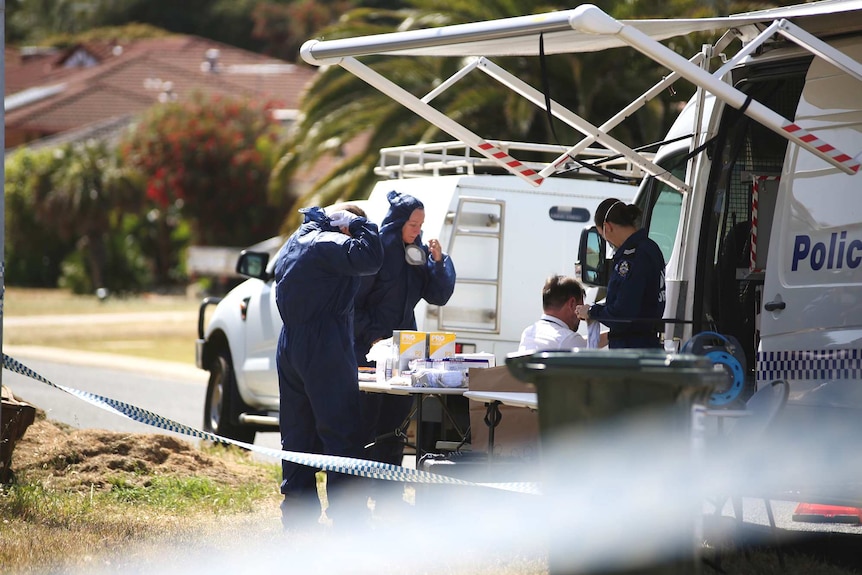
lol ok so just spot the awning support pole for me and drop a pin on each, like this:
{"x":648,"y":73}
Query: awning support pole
{"x":597,"y":134}
{"x":634,"y":106}
{"x":450,"y":81}
{"x":440,"y":120}
{"x":591,"y":19}
{"x":820,"y":48}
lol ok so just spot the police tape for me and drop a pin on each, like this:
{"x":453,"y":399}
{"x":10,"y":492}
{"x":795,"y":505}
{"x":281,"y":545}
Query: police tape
{"x":336,"y":464}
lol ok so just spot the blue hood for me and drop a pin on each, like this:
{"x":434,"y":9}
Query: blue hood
{"x":401,"y":206}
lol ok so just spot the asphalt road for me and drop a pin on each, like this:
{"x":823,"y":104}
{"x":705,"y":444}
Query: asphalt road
{"x":172,"y":390}
{"x":177,"y":391}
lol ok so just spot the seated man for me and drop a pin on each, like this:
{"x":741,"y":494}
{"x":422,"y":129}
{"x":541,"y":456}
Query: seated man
{"x":557,"y":328}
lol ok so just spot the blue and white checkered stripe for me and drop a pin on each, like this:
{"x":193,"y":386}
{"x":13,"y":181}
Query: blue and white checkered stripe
{"x":347,"y":465}
{"x":807,"y":364}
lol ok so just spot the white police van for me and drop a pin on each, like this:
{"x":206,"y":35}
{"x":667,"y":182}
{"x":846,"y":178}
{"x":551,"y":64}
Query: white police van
{"x":757,"y":206}
{"x":504,"y":236}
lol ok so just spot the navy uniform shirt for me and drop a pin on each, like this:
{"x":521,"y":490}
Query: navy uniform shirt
{"x":635,"y":292}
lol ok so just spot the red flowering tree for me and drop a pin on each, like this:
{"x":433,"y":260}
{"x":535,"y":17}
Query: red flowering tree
{"x":209,"y":160}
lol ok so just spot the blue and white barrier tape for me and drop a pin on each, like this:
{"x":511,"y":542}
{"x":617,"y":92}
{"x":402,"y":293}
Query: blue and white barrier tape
{"x":347,"y":465}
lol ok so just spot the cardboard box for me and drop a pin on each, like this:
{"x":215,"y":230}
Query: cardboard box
{"x":407,"y":345}
{"x":441,"y":344}
{"x":497,"y":379}
{"x":517,"y":434}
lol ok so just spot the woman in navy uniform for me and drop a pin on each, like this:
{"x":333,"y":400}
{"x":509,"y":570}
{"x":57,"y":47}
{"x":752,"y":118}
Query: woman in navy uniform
{"x":634,"y":305}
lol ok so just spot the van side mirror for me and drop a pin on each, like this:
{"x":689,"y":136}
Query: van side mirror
{"x":253,"y":264}
{"x":593,"y":264}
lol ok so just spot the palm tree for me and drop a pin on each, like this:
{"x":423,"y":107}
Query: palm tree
{"x":87,"y":192}
{"x":338,"y":108}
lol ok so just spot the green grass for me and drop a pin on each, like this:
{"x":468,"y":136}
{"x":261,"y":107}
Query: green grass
{"x":45,"y":530}
{"x":182,"y":494}
{"x":78,"y":501}
{"x":176,"y":346}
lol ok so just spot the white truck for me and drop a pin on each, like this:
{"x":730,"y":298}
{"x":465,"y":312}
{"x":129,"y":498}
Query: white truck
{"x":504,"y":236}
{"x":758,"y":207}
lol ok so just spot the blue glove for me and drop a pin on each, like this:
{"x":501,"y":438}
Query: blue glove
{"x":341,"y":218}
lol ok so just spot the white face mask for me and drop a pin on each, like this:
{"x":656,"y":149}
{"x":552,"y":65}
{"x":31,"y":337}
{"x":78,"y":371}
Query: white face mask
{"x":414,"y":255}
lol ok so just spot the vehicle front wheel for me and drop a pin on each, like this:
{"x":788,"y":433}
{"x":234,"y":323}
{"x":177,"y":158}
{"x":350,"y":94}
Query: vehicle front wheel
{"x":222,"y":396}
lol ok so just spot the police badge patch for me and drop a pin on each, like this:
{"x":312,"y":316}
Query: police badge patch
{"x":623,"y":268}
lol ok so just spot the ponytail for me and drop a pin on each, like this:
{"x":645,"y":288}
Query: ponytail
{"x":617,"y":212}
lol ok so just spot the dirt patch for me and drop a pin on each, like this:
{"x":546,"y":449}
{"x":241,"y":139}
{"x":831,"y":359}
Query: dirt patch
{"x":69,"y":458}
{"x":141,"y":521}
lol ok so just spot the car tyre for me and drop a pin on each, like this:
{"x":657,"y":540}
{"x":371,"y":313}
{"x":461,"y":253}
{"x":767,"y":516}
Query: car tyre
{"x":221,"y":400}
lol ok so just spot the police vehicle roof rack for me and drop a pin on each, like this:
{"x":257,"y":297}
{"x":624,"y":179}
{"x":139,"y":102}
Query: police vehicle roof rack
{"x":454,"y":157}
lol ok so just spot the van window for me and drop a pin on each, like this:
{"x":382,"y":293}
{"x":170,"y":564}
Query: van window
{"x":662,"y":205}
{"x":746,"y":157}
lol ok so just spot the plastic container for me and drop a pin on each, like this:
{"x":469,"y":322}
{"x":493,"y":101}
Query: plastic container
{"x":583,"y":386}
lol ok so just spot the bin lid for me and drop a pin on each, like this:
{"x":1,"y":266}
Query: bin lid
{"x":618,"y":360}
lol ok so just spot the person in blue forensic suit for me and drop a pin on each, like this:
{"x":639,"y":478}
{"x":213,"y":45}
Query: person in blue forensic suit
{"x":411,"y":271}
{"x":317,"y":275}
{"x":634,"y":305}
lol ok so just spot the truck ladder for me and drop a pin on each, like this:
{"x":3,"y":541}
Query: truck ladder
{"x":487,"y":226}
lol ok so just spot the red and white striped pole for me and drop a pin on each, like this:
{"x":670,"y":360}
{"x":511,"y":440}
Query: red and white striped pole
{"x":755,"y":192}
{"x":757,"y":182}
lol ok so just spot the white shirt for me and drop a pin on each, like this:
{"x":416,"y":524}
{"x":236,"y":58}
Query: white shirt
{"x":551,"y":333}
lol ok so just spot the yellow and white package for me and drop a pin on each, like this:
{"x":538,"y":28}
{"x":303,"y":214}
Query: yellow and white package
{"x":407,"y":345}
{"x":441,"y":344}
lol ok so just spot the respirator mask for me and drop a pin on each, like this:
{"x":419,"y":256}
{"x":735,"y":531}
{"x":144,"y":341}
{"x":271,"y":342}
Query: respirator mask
{"x":414,"y":255}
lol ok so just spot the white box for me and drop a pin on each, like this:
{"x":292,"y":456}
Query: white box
{"x":480,"y":359}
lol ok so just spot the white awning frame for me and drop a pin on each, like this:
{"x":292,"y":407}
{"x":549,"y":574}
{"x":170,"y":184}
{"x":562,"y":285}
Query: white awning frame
{"x":593,"y":19}
{"x":590,"y":21}
{"x":519,"y":36}
{"x":592,"y":133}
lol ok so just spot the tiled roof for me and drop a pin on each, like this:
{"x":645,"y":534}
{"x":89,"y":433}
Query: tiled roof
{"x":55,"y":104}
{"x":131,"y":76}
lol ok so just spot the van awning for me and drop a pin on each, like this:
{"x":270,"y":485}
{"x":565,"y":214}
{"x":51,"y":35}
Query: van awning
{"x":587,"y":28}
{"x":519,"y":36}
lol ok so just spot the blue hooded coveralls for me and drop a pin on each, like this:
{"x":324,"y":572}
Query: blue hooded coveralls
{"x":385,"y":303}
{"x":636,"y":291}
{"x":316,"y":278}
